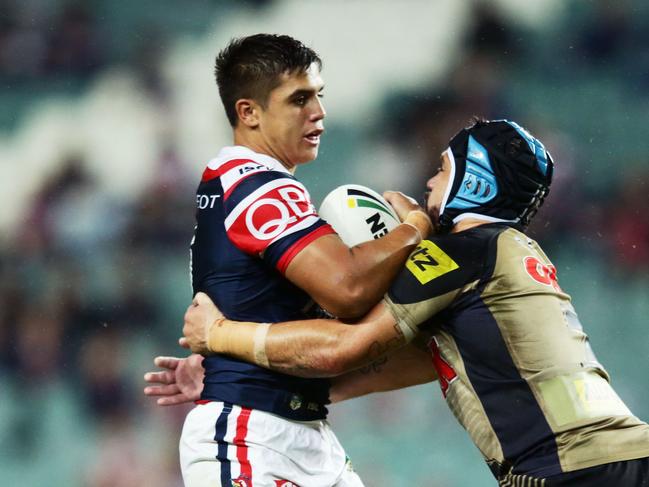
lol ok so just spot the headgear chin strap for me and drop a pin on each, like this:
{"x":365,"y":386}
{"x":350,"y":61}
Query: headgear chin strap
{"x":499,"y":173}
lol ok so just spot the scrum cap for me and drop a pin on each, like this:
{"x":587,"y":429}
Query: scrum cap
{"x":498,"y":171}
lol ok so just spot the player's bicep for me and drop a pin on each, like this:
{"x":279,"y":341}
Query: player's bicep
{"x":322,"y":269}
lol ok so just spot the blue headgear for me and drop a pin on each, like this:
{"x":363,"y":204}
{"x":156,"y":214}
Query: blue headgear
{"x":499,"y":172}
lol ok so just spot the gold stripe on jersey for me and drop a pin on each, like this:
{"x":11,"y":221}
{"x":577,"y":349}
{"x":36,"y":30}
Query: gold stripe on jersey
{"x":415,"y":314}
{"x":428,"y":262}
{"x":512,"y":480}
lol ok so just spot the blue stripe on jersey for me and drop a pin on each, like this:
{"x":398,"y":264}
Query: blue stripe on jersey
{"x":525,"y":436}
{"x":221,"y":429}
{"x":250,"y":184}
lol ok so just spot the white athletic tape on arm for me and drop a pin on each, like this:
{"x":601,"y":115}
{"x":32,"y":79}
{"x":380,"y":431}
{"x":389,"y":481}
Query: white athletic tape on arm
{"x":259,"y":345}
{"x":408,"y":333}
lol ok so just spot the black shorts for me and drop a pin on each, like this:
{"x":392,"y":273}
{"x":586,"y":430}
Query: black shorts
{"x":629,"y":473}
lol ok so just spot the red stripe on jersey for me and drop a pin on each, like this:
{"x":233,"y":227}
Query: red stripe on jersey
{"x":227,"y":194}
{"x":210,"y":174}
{"x":242,"y":448}
{"x":202,"y":401}
{"x":295,"y":249}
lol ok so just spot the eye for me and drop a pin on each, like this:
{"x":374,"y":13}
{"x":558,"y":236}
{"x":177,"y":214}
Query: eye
{"x":300,"y":101}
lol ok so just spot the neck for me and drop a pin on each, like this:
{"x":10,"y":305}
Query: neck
{"x":253,"y":141}
{"x":468,"y":223}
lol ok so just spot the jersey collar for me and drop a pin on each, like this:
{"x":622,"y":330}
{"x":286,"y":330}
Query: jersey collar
{"x":241,"y":152}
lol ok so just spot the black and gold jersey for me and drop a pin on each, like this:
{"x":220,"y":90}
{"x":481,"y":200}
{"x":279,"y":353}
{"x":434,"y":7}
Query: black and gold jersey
{"x":512,"y":359}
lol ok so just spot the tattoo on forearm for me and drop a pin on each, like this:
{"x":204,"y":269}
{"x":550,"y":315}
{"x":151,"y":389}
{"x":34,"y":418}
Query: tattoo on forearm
{"x":378,"y":352}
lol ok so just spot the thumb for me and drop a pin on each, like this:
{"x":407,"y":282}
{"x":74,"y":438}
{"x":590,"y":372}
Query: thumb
{"x":201,"y":298}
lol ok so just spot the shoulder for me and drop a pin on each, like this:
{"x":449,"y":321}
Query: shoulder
{"x":242,"y":171}
{"x":231,"y":171}
{"x":446,"y":263}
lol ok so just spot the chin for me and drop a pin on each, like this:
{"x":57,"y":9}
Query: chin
{"x":306,"y":156}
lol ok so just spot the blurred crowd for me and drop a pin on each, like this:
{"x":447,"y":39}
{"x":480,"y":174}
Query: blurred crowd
{"x":37,"y":41}
{"x":85,"y":277}
{"x":608,"y":217}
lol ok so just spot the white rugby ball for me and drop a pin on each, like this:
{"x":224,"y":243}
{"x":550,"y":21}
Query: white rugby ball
{"x":358,"y":214}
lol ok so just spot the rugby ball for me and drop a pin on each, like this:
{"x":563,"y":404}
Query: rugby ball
{"x":358,"y":214}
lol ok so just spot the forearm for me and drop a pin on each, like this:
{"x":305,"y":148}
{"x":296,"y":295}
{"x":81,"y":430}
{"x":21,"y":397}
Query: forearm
{"x":347,"y":282}
{"x":409,"y":366}
{"x":310,"y":348}
{"x":375,"y":265}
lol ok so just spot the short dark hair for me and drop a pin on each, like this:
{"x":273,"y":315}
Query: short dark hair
{"x":250,"y":67}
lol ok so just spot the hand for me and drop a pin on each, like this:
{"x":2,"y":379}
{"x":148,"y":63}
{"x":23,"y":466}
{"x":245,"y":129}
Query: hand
{"x":182,"y":382}
{"x":409,"y":212}
{"x":199,"y":317}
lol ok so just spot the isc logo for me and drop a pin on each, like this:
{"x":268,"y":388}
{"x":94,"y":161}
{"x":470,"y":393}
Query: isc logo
{"x":377,"y":226}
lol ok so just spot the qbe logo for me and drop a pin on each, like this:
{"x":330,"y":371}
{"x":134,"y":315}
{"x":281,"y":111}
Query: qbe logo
{"x":272,"y":215}
{"x":274,"y":210}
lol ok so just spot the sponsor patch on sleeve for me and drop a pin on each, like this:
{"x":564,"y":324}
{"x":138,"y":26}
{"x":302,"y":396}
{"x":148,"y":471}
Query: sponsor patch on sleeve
{"x":275,"y":210}
{"x":429,"y":262}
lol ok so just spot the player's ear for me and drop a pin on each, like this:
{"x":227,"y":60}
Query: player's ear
{"x":248,"y":112}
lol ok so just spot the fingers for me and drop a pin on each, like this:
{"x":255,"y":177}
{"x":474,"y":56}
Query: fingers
{"x":166,"y":390}
{"x":165,"y":377}
{"x":172,"y":400}
{"x":393,"y":196}
{"x":194,"y":360}
{"x":201,"y":298}
{"x":166,"y":362}
{"x":389,"y":195}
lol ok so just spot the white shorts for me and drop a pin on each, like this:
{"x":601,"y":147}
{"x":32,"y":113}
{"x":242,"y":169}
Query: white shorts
{"x":229,"y":446}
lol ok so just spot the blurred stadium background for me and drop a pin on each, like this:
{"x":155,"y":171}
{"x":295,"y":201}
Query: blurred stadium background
{"x":108,"y":113}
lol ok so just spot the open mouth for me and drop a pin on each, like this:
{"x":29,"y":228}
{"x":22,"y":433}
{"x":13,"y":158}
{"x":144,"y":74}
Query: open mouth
{"x":313,"y":137}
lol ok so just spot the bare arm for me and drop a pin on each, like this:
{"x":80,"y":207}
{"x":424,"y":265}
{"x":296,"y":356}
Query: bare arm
{"x":307,"y":348}
{"x":408,"y":366}
{"x":347,"y":282}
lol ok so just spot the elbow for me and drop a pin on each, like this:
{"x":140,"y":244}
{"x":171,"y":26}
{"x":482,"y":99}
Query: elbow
{"x":350,"y":301}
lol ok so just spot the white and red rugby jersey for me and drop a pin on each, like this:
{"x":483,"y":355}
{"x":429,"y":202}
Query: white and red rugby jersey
{"x":253,"y":217}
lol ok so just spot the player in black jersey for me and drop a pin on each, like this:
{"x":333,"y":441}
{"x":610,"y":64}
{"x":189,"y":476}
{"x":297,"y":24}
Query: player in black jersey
{"x":509,"y":352}
{"x":261,"y":252}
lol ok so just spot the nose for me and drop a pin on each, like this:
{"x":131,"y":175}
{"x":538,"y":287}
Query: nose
{"x":319,"y":111}
{"x":429,"y":183}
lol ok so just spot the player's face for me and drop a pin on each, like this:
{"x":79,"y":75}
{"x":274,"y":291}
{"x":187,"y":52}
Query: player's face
{"x":292,"y":122}
{"x":437,"y":188}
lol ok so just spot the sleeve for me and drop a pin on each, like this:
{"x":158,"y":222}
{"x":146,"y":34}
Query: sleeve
{"x":270,"y":214}
{"x":433,"y":277}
